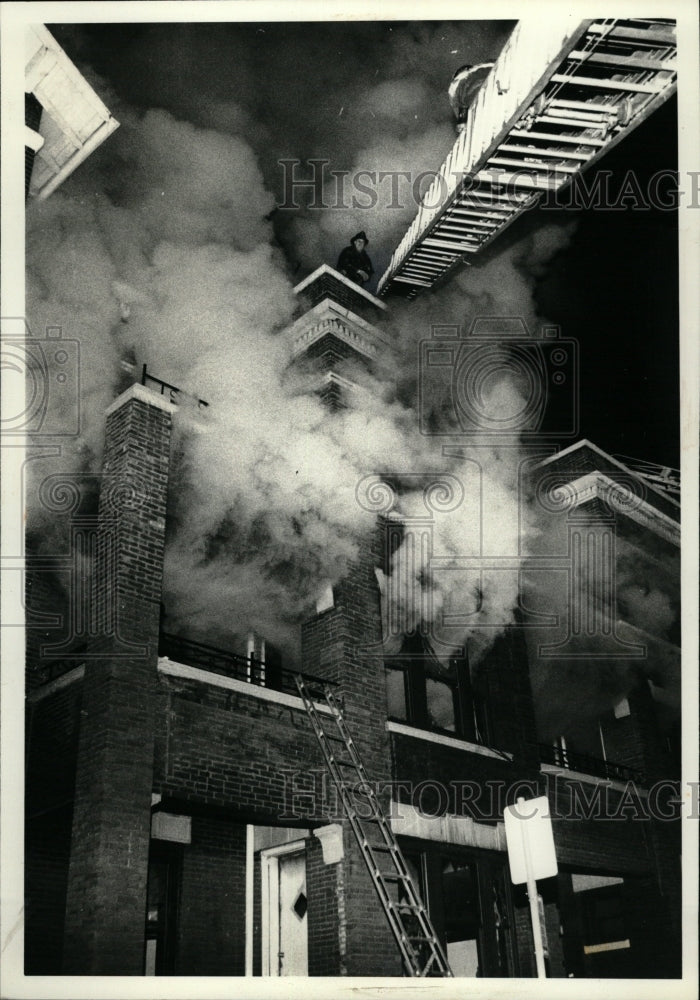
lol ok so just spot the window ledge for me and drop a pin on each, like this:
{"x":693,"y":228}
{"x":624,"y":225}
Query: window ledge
{"x":447,"y":741}
{"x":590,"y":779}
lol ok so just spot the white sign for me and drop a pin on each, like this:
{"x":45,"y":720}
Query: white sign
{"x":529,"y":833}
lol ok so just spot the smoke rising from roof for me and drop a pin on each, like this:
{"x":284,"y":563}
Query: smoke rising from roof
{"x":164,"y":247}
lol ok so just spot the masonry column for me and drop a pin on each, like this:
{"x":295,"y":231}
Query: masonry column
{"x":106,"y":898}
{"x":343,"y":645}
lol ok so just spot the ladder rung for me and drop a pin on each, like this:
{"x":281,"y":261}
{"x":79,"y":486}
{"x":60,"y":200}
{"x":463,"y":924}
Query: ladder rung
{"x":393,"y":877}
{"x":533,"y":168}
{"x":578,"y":140}
{"x":331,"y":736}
{"x":630,"y":62}
{"x":540,"y":151}
{"x":625,"y":85}
{"x":657,"y":36}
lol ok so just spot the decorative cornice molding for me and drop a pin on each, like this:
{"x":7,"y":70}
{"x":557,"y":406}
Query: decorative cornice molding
{"x":598,"y":486}
{"x":327,"y":317}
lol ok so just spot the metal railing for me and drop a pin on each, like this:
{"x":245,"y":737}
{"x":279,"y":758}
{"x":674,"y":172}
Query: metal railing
{"x":571,"y":760}
{"x":242,"y":668}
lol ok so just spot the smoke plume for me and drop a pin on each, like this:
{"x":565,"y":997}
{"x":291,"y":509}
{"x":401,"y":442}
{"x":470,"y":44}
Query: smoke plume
{"x":165,"y":248}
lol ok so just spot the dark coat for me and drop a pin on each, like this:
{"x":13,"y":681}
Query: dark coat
{"x":351,"y":261}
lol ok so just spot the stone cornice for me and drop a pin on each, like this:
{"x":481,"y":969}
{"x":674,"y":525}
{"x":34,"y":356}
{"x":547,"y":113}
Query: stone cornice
{"x":598,"y":486}
{"x":327,"y":317}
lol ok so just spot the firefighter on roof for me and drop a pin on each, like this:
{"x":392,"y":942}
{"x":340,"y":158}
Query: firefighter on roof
{"x":354,"y":261}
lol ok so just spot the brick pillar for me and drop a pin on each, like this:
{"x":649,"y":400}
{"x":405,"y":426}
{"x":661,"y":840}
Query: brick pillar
{"x":106,"y":898}
{"x":503,"y":678}
{"x":337,"y":645}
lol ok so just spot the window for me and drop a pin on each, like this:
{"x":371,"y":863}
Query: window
{"x":460,"y":895}
{"x":434,"y":693}
{"x":603,"y":916}
{"x":468,"y":899}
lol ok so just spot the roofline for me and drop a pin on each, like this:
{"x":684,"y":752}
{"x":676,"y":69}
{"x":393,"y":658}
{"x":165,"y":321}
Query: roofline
{"x":327,"y":269}
{"x":585,"y":443}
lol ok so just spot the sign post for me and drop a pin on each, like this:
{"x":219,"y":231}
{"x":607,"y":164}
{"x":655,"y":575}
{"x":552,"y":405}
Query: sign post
{"x":531,"y":855}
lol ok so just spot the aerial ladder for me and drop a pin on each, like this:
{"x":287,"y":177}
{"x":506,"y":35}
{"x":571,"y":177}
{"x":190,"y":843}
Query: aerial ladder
{"x":560,"y":95}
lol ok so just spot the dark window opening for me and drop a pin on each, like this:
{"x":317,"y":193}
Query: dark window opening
{"x":164,"y":867}
{"x":460,"y":896}
{"x":603,"y":915}
{"x":432,"y":693}
{"x":469,"y":902}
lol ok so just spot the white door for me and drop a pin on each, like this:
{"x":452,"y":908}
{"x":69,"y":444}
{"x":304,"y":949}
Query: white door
{"x":285,"y":927}
{"x":293,"y":936}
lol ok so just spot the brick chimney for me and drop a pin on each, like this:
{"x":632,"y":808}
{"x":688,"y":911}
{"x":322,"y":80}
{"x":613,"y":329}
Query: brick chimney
{"x":111,"y":819}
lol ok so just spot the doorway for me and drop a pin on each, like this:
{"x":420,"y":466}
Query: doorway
{"x":285,"y":939}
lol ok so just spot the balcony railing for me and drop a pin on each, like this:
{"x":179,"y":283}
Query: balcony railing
{"x":571,"y":760}
{"x":242,"y":668}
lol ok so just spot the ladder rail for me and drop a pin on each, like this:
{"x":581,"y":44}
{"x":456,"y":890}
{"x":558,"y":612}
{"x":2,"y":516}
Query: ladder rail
{"x":412,"y":903}
{"x":393,"y":916}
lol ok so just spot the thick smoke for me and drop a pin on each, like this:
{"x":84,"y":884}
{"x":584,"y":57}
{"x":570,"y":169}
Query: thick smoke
{"x":165,"y":248}
{"x":159,"y":251}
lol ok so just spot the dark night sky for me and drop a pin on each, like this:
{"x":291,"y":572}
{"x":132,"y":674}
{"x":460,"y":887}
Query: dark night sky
{"x":614,"y":287}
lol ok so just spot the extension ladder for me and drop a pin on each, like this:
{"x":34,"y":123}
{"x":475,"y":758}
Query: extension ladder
{"x":408,"y":918}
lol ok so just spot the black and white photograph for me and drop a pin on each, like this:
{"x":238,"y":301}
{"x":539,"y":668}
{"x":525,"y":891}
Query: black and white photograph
{"x":350,"y":402}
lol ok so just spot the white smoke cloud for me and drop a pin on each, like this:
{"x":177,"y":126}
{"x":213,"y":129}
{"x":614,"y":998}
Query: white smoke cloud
{"x":160,"y":248}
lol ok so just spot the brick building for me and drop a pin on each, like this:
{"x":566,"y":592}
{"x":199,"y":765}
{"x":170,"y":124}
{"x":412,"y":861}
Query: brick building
{"x":180,"y":819}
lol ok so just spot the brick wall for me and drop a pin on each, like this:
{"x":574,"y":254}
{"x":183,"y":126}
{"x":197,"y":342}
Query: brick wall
{"x":504,"y":678}
{"x":257,"y":916}
{"x":433,"y":777}
{"x":43,"y":594}
{"x":104,"y":932}
{"x":634,"y":739}
{"x":211,"y":938}
{"x":257,"y":759}
{"x":597,"y":842}
{"x":322,"y":891}
{"x":53,"y":724}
